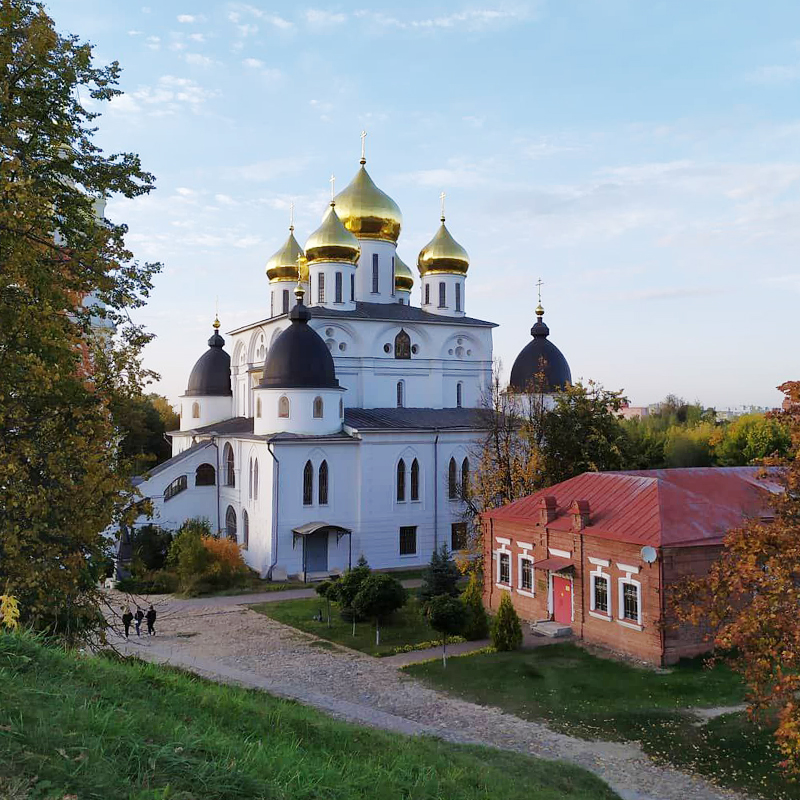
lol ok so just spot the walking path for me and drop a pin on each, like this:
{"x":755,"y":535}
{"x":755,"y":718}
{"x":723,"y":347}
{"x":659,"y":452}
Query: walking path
{"x":233,"y":644}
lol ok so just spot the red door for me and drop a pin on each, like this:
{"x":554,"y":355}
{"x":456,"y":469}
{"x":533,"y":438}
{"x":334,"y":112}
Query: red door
{"x":562,"y":600}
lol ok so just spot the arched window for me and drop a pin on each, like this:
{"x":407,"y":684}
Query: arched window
{"x":442,"y":294}
{"x":227,"y":457}
{"x":318,"y":408}
{"x":341,"y":408}
{"x":415,"y":479}
{"x":452,"y":480}
{"x":352,"y":286}
{"x":285,"y":301}
{"x":459,"y":391}
{"x":400,"y":394}
{"x":245,"y":530}
{"x":402,"y":345}
{"x":321,"y":287}
{"x":283,"y":407}
{"x":272,"y":304}
{"x":255,"y":480}
{"x":205,"y":475}
{"x":323,"y":483}
{"x":465,"y":478}
{"x":250,"y":479}
{"x":375,"y":279}
{"x":401,"y":481}
{"x":337,"y":296}
{"x":195,"y":410}
{"x":230,"y":523}
{"x":258,"y":407}
{"x":176,"y":487}
{"x":427,"y":294}
{"x":458,"y":297}
{"x":308,"y":484}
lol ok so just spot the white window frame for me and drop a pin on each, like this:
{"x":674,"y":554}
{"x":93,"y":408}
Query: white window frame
{"x":627,"y":623}
{"x":504,"y":550}
{"x":525,"y":555}
{"x":598,"y":572}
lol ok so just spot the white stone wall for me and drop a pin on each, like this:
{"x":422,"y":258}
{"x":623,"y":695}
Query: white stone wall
{"x":199,"y":411}
{"x":301,"y":417}
{"x":386,"y":252}
{"x":330,"y":269}
{"x":450,"y":282}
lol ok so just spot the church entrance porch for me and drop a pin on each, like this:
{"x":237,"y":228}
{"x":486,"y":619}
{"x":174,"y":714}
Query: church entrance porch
{"x":317,"y":552}
{"x":315,"y":539}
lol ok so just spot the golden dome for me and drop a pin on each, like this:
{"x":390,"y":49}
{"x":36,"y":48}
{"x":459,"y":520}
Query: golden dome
{"x":332,"y":241}
{"x":539,"y":310}
{"x":368,"y":212}
{"x":443,"y":254}
{"x":283,"y":265}
{"x":403,"y":276}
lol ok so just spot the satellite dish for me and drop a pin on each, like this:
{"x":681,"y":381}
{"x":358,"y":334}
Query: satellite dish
{"x":649,"y":554}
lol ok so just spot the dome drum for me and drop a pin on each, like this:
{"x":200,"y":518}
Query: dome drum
{"x":310,"y":411}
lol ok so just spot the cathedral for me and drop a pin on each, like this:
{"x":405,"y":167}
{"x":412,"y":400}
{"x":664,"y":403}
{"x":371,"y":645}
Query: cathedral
{"x":347,"y":421}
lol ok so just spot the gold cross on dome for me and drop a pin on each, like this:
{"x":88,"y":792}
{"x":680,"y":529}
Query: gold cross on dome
{"x":363,"y":147}
{"x":333,"y":186}
{"x":539,"y":285}
{"x":441,"y":197}
{"x":291,"y":216}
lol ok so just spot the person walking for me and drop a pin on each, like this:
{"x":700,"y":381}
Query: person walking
{"x":139,"y":616}
{"x":151,"y":621}
{"x":127,"y":618}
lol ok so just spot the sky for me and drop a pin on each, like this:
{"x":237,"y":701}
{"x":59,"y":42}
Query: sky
{"x":641,"y":158}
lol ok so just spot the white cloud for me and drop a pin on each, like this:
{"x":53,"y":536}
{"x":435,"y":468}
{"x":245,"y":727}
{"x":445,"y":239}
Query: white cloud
{"x":178,"y":46}
{"x":263,"y":171}
{"x":775,"y":74}
{"x":241,"y":10}
{"x":184,"y":192}
{"x":253,"y":63}
{"x":135,"y":33}
{"x":154,"y":42}
{"x":198,"y":60}
{"x":190,"y":19}
{"x":475,"y":122}
{"x":197,"y":37}
{"x":169,"y":96}
{"x":324,"y":19}
{"x":225,"y":200}
{"x":470,"y":19}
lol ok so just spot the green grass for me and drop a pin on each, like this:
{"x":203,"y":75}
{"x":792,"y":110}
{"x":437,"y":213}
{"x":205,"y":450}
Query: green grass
{"x":407,"y":626}
{"x":597,"y":698}
{"x":96,"y":728}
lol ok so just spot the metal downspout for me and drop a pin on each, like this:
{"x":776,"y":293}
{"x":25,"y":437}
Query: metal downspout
{"x":219,"y":473}
{"x":436,"y":491}
{"x":275,"y":500}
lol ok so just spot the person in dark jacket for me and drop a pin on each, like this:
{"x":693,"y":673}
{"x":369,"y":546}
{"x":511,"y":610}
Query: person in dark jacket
{"x":151,"y":621}
{"x":127,"y":618}
{"x":139,"y":616}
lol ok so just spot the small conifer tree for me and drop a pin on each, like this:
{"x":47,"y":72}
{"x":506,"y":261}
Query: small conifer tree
{"x":441,"y":576}
{"x":476,"y":625}
{"x":506,"y":629}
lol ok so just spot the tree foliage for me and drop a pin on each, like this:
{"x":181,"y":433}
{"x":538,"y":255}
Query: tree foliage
{"x":750,"y":598}
{"x":150,"y":545}
{"x":441,"y":576}
{"x":506,"y":627}
{"x":380,"y":596}
{"x":476,"y":623}
{"x":344,"y":591}
{"x":66,"y":276}
{"x":446,"y":615}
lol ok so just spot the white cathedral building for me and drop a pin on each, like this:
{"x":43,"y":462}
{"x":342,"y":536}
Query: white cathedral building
{"x":347,"y":421}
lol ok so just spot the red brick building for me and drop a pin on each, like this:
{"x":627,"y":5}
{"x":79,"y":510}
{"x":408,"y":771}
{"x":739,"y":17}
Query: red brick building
{"x":597,"y":552}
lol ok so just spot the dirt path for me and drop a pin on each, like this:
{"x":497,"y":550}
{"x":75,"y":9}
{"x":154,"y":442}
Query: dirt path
{"x":234,"y":644}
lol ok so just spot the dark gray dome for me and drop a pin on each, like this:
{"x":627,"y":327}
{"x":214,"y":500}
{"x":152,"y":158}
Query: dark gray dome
{"x":540,"y":366}
{"x":299,"y":359}
{"x":211,"y":375}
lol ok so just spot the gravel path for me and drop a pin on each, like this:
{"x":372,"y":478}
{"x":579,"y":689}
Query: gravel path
{"x":232,"y":643}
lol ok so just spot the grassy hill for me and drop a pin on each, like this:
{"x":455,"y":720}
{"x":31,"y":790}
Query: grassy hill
{"x":83,"y":727}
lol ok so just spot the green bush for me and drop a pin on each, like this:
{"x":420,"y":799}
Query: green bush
{"x":441,"y":577}
{"x":344,"y":591}
{"x":476,"y":625}
{"x":151,"y":546}
{"x":506,"y":628}
{"x":378,"y":598}
{"x":155,"y":582}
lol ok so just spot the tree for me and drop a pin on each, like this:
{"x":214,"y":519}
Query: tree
{"x":750,"y":597}
{"x":142,"y":428}
{"x":441,"y":576}
{"x":750,"y":439}
{"x":476,"y":625}
{"x":446,"y":615}
{"x":380,"y":596}
{"x":326,"y":589}
{"x":187,"y":554}
{"x":151,"y":546}
{"x":66,"y":277}
{"x":506,"y":628}
{"x":348,"y":586}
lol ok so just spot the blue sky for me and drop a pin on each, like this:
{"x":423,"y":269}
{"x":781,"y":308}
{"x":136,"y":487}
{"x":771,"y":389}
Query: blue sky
{"x":642,"y":158}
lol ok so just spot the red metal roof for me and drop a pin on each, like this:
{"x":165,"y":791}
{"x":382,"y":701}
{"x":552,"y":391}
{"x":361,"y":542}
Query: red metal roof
{"x":661,"y":507}
{"x":553,"y":564}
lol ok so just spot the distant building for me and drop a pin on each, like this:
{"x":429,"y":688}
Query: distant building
{"x":597,"y":553}
{"x":634,"y":412}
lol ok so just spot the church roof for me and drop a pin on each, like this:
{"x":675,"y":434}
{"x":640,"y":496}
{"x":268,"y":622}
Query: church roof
{"x":242,"y":427}
{"x":211,"y":374}
{"x":415,"y":418}
{"x":540,"y":365}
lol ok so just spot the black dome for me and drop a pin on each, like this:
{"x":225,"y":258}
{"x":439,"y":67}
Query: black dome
{"x":211,"y":375}
{"x":299,"y":359}
{"x":540,"y":365}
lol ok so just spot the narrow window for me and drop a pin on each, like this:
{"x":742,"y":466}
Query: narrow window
{"x":341,"y":408}
{"x":465,"y":478}
{"x":245,"y":530}
{"x":630,"y":602}
{"x":230,"y":473}
{"x":400,"y":394}
{"x":375,"y":282}
{"x":401,"y":481}
{"x":338,"y":296}
{"x":285,"y":301}
{"x":402,"y":302}
{"x":353,"y":286}
{"x":272,"y":304}
{"x":283,"y":407}
{"x":408,"y":540}
{"x":318,"y":408}
{"x":250,"y":479}
{"x":308,"y":484}
{"x":458,"y":536}
{"x":321,"y":287}
{"x":415,"y":479}
{"x":258,"y":407}
{"x":205,"y":475}
{"x":442,"y":294}
{"x":459,"y":389}
{"x":402,"y":345}
{"x":255,"y":480}
{"x":195,"y":410}
{"x":526,"y":575}
{"x":393,"y":278}
{"x":458,"y":297}
{"x":427,"y":294}
{"x":452,"y":480}
{"x":504,"y":568}
{"x":600,"y":594}
{"x":323,"y":483}
{"x":230,"y":523}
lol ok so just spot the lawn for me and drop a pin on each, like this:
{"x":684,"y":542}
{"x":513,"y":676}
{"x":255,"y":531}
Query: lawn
{"x":407,"y":626}
{"x":93,"y":727}
{"x":591,"y":697}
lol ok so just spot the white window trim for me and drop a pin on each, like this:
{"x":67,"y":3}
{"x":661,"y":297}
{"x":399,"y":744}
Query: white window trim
{"x":525,"y":592}
{"x":637,"y":625}
{"x":504,"y":551}
{"x":600,"y":615}
{"x":598,"y":573}
{"x":628,"y":569}
{"x":505,"y":542}
{"x":599,"y":562}
{"x":524,"y":546}
{"x":560,"y":553}
{"x":416,"y":543}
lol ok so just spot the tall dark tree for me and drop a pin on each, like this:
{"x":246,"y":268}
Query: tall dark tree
{"x":68,"y":351}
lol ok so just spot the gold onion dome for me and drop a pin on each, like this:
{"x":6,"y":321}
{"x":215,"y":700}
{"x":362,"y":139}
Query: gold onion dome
{"x":283,"y":265}
{"x":368,"y":212}
{"x":403,"y":276}
{"x":332,"y":241}
{"x":443,"y":254}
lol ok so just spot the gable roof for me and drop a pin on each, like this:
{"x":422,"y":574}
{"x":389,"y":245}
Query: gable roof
{"x":170,"y":462}
{"x":666,"y":507}
{"x":364,"y":419}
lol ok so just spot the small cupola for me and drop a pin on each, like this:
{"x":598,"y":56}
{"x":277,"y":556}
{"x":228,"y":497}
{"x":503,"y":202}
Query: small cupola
{"x":580,"y":514}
